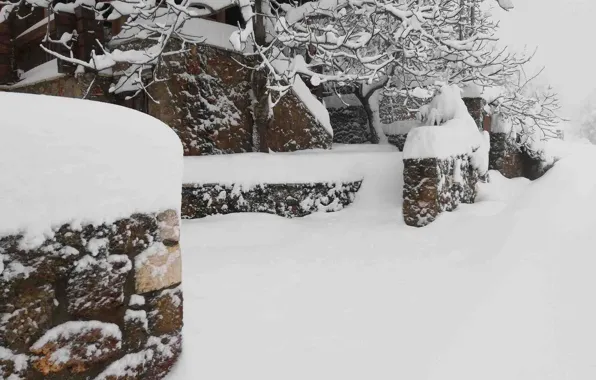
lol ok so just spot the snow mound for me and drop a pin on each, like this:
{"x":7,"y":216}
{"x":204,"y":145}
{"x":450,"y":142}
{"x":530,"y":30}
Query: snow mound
{"x":78,"y":161}
{"x":449,"y":131}
{"x":343,"y":163}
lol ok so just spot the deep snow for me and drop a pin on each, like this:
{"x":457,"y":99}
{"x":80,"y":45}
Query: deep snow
{"x":501,"y":289}
{"x":62,"y":163}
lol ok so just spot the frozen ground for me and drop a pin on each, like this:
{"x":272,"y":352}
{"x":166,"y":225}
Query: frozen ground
{"x":502,"y":289}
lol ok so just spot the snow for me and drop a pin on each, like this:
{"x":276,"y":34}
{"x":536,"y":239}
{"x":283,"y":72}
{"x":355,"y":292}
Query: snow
{"x":136,"y":300}
{"x":400,"y":127}
{"x":342,"y":163}
{"x":66,"y":330}
{"x":44,"y":72}
{"x":500,"y":289}
{"x":137,"y":315}
{"x":43,"y":21}
{"x":455,"y":134}
{"x":19,"y":360}
{"x":206,"y":31}
{"x":78,"y":161}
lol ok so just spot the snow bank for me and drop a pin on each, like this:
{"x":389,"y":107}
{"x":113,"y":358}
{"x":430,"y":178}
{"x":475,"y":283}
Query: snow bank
{"x":78,"y":161}
{"x":450,"y":131}
{"x":342,"y":164}
{"x":41,"y":73}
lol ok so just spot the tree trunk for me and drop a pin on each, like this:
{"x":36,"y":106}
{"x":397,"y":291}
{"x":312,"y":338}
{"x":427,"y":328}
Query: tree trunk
{"x":370,"y":102}
{"x":261,"y":112}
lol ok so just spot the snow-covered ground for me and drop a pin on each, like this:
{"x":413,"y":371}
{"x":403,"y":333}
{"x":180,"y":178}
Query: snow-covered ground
{"x":502,"y":289}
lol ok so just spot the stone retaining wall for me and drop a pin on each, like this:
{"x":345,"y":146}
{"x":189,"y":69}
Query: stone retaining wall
{"x":287,"y":200}
{"x":433,"y":185}
{"x":92,"y":302}
{"x":512,"y":162}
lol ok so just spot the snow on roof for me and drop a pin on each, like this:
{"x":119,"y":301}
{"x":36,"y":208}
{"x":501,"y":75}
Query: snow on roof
{"x":284,"y":65}
{"x":77,"y":161}
{"x":45,"y":71}
{"x":198,"y":29}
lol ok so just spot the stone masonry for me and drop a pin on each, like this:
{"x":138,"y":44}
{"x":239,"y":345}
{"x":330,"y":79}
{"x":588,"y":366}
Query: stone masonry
{"x":94,"y":302}
{"x":432,"y":186}
{"x":287,"y":200}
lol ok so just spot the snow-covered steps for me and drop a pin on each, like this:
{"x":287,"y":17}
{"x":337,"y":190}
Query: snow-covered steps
{"x":287,"y":184}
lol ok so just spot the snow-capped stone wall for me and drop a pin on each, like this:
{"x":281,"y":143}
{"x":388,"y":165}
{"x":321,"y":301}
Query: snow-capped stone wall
{"x":208,"y":102}
{"x":443,"y":160}
{"x":434,"y":185}
{"x":89,"y":256}
{"x":512,"y":161}
{"x":287,"y":200}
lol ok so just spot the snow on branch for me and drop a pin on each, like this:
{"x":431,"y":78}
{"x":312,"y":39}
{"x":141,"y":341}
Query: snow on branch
{"x":376,"y":44}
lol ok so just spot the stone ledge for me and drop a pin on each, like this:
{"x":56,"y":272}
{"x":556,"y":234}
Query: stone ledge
{"x":287,"y":200}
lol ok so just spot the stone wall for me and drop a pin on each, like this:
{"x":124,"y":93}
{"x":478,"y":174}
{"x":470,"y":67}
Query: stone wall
{"x":95,"y":87}
{"x":350,"y":125}
{"x":476,"y":110}
{"x":207,"y":100}
{"x":287,"y":200}
{"x":93,"y":301}
{"x":433,"y":185}
{"x":512,"y":162}
{"x":505,"y":156}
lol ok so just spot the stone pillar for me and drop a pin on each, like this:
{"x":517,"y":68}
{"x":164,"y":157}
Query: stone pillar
{"x":476,"y":110}
{"x":65,"y":23}
{"x":433,"y":185}
{"x":93,"y":300}
{"x":7,"y":74}
{"x":504,"y":156}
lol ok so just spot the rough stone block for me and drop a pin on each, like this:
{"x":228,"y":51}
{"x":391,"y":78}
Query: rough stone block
{"x":151,"y":363}
{"x":158,"y":267}
{"x":26,"y":315}
{"x":136,"y":330}
{"x":12,"y":365}
{"x":96,"y":286}
{"x":433,"y":185}
{"x":165,"y":316}
{"x":76,"y":346}
{"x":168,"y":224}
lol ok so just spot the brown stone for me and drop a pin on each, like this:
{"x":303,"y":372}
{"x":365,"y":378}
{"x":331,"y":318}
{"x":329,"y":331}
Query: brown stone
{"x":12,"y":364}
{"x":76,"y":346}
{"x":152,"y":363}
{"x":430,"y":187}
{"x":133,"y":235}
{"x":136,"y":330}
{"x":165,"y":315}
{"x":206,"y":101}
{"x":294,"y":127}
{"x":158,"y":267}
{"x":26,"y":315}
{"x":168,"y":223}
{"x":96,"y":286}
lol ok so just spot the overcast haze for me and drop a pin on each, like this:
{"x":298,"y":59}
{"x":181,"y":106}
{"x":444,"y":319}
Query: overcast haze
{"x":563,"y":32}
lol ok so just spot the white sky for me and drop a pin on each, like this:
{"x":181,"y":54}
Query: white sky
{"x":563,"y":31}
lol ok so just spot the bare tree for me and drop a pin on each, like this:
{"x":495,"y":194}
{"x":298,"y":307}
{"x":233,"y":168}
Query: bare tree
{"x":157,"y":27}
{"x":375,"y":44}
